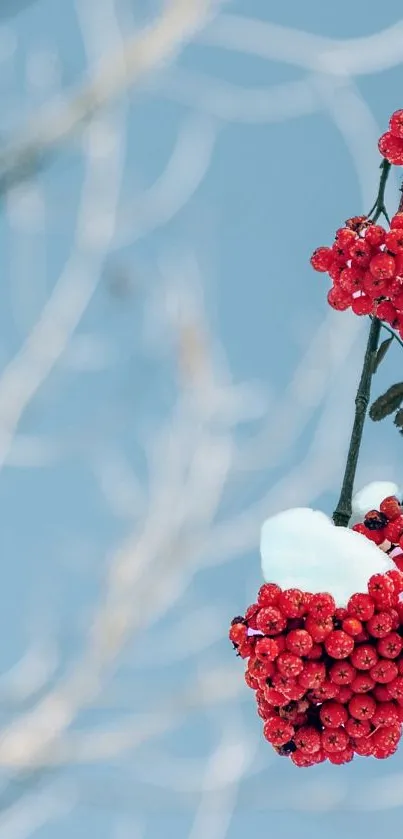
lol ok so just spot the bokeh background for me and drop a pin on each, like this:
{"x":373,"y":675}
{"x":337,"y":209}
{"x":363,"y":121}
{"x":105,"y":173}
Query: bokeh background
{"x":170,"y":375}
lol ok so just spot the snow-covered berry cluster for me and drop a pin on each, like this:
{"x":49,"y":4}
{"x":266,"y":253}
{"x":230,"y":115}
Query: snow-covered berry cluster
{"x":328,"y":680}
{"x":391,"y":143}
{"x":365,"y":265}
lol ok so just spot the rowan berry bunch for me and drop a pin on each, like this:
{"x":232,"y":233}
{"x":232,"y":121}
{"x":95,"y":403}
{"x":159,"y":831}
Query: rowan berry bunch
{"x":329,"y":680}
{"x":365,"y":265}
{"x":391,"y":143}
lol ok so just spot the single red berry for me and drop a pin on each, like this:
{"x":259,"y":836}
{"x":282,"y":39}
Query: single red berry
{"x":338,"y":758}
{"x":397,"y":579}
{"x":289,"y":664}
{"x":390,"y":645}
{"x":358,"y":728}
{"x":275,"y":697}
{"x":251,"y":615}
{"x":352,"y":626}
{"x":360,"y":253}
{"x":326,"y":690}
{"x":362,"y":706}
{"x":385,"y":714}
{"x":379,"y":625}
{"x":278,"y":731}
{"x":362,"y":637}
{"x":364,"y":657}
{"x":362,"y":683}
{"x":338,"y":299}
{"x":382,"y":266}
{"x":394,"y":529}
{"x":342,"y":673}
{"x":251,"y":681}
{"x":345,"y":694}
{"x":271,"y":621}
{"x":396,"y":124}
{"x":315,"y":653}
{"x":345,"y":237}
{"x":385,"y":740}
{"x":266,"y":648}
{"x":322,"y":605}
{"x":363,"y":746}
{"x":394,"y":240}
{"x":333,"y":714}
{"x":292,"y":603}
{"x":318,"y":628}
{"x":395,"y":688}
{"x":384,"y":672}
{"x":268,"y":594}
{"x":391,"y":148}
{"x":375,"y":235}
{"x":396,"y":221}
{"x":246,"y":648}
{"x":362,"y":305}
{"x":302,"y":759}
{"x":361,"y":606}
{"x":238,"y":633}
{"x":386,"y":311}
{"x":381,"y":590}
{"x":299,"y":641}
{"x":338,"y":644}
{"x":341,"y":613}
{"x":307,"y":739}
{"x":381,"y":693}
{"x":313,"y":674}
{"x":322,"y":259}
{"x":334,"y":740}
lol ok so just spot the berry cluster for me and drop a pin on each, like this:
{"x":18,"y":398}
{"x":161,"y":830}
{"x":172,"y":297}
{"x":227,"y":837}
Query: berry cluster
{"x":365,"y":265}
{"x":391,"y":143}
{"x":329,"y":680}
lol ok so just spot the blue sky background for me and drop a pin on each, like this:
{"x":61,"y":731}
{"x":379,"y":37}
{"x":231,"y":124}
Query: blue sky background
{"x":273,"y":190}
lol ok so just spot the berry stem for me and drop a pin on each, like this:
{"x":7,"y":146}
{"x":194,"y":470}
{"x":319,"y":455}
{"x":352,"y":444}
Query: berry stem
{"x":342,"y":513}
{"x":379,"y":207}
{"x":391,"y":332}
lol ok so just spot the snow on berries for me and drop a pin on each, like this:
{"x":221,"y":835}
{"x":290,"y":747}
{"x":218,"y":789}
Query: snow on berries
{"x":327,"y":672}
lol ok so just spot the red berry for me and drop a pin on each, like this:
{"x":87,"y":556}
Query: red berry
{"x":292,"y":603}
{"x":342,"y":673}
{"x":386,"y":311}
{"x":338,"y":299}
{"x":395,"y":688}
{"x":315,"y":653}
{"x":375,"y":235}
{"x":312,"y":675}
{"x":362,"y":683}
{"x":266,"y":648}
{"x":268,"y":594}
{"x":391,"y":148}
{"x":358,"y":728}
{"x":275,"y":697}
{"x":382,"y":266}
{"x":381,"y":693}
{"x":339,"y":758}
{"x":345,"y":237}
{"x":396,"y":124}
{"x":390,"y":645}
{"x":381,"y":590}
{"x":380,"y":625}
{"x":299,"y":641}
{"x":289,"y":664}
{"x":384,"y":672}
{"x":362,"y":305}
{"x":361,"y":606}
{"x":302,"y":759}
{"x":318,"y":628}
{"x":394,"y":240}
{"x":270,"y":620}
{"x":326,"y":690}
{"x":364,"y":657}
{"x":307,"y":740}
{"x":360,"y":253}
{"x":397,"y":579}
{"x":333,"y":714}
{"x":334,"y":740}
{"x":362,"y":707}
{"x":278,"y":731}
{"x":338,"y":644}
{"x":352,"y":626}
{"x":385,"y":741}
{"x":385,"y":714}
{"x":322,"y":259}
{"x":394,"y":529}
{"x":238,"y":633}
{"x":251,"y":615}
{"x":363,"y":746}
{"x":322,"y":605}
{"x":344,"y":695}
{"x":396,"y":221}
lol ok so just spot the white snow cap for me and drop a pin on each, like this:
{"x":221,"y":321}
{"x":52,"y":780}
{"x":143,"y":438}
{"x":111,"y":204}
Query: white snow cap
{"x":302,"y":548}
{"x":370,"y":497}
